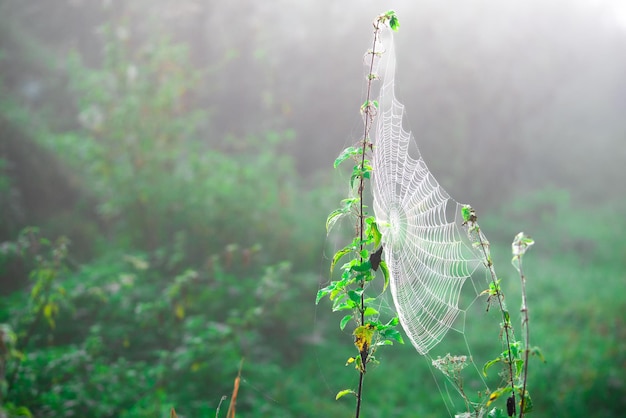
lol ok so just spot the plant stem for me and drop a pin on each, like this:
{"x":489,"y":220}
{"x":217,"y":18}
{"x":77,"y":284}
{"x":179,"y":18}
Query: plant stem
{"x":527,"y":335}
{"x":368,"y":117}
{"x":484,"y":244}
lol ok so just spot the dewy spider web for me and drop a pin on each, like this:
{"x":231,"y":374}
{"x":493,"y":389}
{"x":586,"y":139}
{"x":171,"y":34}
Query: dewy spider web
{"x":427,"y":252}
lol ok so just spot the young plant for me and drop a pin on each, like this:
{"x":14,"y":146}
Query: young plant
{"x":514,"y":357}
{"x":365,"y":250}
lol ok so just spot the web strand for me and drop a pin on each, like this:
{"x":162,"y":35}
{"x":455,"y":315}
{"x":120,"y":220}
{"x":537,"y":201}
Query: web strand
{"x":428,"y":254}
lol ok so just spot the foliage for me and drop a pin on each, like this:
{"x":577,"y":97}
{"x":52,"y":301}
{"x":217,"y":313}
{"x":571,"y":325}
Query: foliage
{"x":38,"y":315}
{"x":135,"y":118}
{"x":138,"y":154}
{"x":189,"y":279}
{"x":192,"y":273}
{"x":152,"y":341}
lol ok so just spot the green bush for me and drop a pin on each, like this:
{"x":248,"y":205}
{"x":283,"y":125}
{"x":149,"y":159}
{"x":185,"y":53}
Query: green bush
{"x":129,"y":340}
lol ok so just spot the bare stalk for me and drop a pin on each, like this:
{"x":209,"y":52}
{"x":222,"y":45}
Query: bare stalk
{"x":526,"y":328}
{"x":484,"y":245}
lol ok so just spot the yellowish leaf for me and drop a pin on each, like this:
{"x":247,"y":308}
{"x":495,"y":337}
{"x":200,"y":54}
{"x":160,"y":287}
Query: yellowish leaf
{"x":179,"y":311}
{"x":363,"y":337}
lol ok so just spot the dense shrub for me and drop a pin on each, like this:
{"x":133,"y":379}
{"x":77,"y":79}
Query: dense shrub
{"x":129,"y":337}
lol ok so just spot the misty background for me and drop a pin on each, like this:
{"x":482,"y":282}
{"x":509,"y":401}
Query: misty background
{"x":185,"y":149}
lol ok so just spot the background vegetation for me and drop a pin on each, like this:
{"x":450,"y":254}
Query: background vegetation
{"x":185,"y":151}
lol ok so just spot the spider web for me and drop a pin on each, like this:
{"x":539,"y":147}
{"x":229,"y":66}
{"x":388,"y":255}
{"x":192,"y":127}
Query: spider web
{"x":427,"y":252}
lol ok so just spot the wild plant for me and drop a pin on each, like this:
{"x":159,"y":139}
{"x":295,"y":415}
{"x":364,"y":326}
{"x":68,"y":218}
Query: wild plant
{"x":365,"y":250}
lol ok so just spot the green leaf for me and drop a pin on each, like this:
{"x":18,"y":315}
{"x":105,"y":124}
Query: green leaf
{"x":355,"y":296}
{"x":393,"y":322}
{"x":466,"y":212}
{"x":375,"y":324}
{"x":519,"y":365}
{"x":323,"y":292}
{"x":343,"y":393}
{"x":494,"y":287}
{"x":362,"y":267}
{"x":358,"y":171}
{"x":507,"y":317}
{"x":383,"y":267}
{"x":352,"y":178}
{"x":333,"y":218}
{"x":344,"y":321}
{"x":392,"y":334}
{"x":489,"y":364}
{"x":369,"y":311}
{"x":338,"y":296}
{"x":394,"y":24}
{"x":515,"y":349}
{"x":344,"y":306}
{"x":338,"y":256}
{"x":347,"y":153}
{"x":337,"y":213}
{"x":374,"y":232}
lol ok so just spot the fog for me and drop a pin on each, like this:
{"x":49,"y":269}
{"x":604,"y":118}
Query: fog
{"x":516,"y":95}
